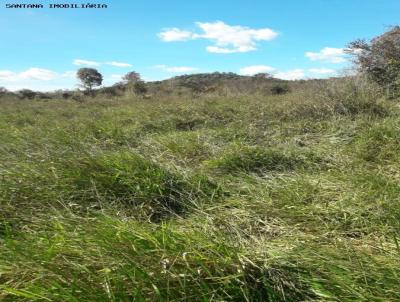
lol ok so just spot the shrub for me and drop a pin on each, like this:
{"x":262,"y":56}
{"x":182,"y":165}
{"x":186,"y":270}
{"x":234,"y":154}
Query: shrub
{"x":27,"y":94}
{"x":77,"y":96}
{"x":111,"y":91}
{"x":353,"y":95}
{"x":140,"y":87}
{"x":199,"y":85}
{"x":380,"y":59}
{"x":66,"y":94}
{"x":280,"y":89}
{"x":43,"y":96}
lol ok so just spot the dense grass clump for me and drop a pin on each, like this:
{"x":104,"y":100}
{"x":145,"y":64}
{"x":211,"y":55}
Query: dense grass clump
{"x":379,"y":142}
{"x":133,"y":180}
{"x":132,"y":261}
{"x":217,"y":192}
{"x":260,"y":160}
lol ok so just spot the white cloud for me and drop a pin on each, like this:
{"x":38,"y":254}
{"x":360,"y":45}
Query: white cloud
{"x":295,"y":74}
{"x":44,"y":80}
{"x":175,"y":34}
{"x":37,"y":79}
{"x":39,"y":74}
{"x":216,"y":49}
{"x":69,"y":74}
{"x":328,"y":54}
{"x":322,"y":71}
{"x":80,"y":62}
{"x":226,"y":38}
{"x":119,"y":64}
{"x":254,"y":69}
{"x":29,"y":74}
{"x":7,"y":75}
{"x":176,"y":69}
{"x":112,"y":79}
{"x":116,"y":76}
{"x":233,"y":38}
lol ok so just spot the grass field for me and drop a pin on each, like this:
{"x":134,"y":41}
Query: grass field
{"x":292,"y":197}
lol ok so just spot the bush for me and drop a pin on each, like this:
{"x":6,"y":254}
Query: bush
{"x":112,"y":91}
{"x":355,"y":95}
{"x":380,"y":59}
{"x":66,"y":94}
{"x":140,"y":87}
{"x":280,"y":89}
{"x":200,"y":84}
{"x":27,"y":94}
{"x":77,"y":96}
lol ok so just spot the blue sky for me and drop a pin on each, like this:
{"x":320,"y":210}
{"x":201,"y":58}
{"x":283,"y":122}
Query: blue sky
{"x":42,"y":48}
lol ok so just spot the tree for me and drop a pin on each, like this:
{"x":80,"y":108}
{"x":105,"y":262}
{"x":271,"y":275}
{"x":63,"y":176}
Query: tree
{"x":132,"y":77}
{"x":89,"y":77}
{"x":380,"y":58}
{"x":134,"y":82}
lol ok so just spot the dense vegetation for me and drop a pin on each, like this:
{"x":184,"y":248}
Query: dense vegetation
{"x":380,"y":59}
{"x":234,"y":193}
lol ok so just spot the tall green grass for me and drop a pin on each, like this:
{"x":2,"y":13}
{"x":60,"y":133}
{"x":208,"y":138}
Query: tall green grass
{"x":256,"y":197}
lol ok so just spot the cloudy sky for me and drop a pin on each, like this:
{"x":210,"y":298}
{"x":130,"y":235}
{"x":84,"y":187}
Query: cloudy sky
{"x":42,"y":48}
